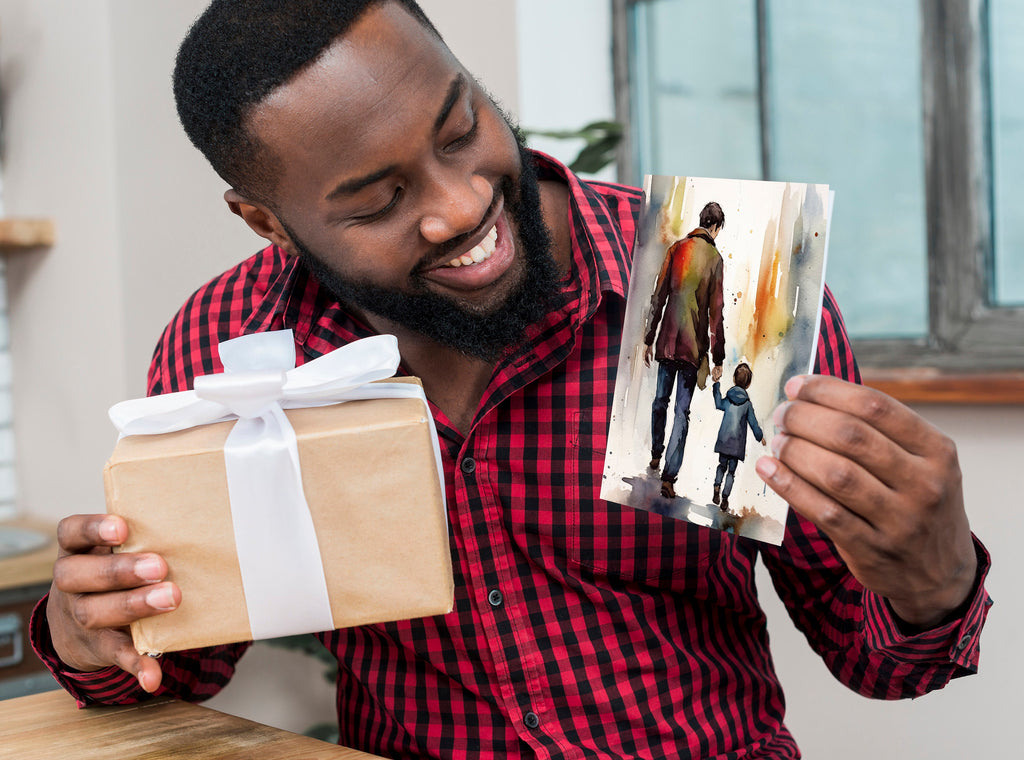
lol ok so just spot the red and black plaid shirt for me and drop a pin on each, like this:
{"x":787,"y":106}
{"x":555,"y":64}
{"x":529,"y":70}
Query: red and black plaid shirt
{"x":581,"y":628}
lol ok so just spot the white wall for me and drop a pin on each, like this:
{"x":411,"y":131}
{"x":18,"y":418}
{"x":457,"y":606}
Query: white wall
{"x":174,"y":229}
{"x":91,"y":140}
{"x":65,"y":303}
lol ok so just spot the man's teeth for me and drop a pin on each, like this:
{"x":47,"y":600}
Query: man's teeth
{"x":480,"y":252}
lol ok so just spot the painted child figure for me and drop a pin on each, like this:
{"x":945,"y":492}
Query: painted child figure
{"x":732,"y":435}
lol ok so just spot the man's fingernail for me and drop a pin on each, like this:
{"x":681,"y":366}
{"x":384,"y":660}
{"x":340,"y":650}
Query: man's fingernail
{"x":161,"y":598}
{"x":766,"y":467}
{"x":144,"y":682}
{"x":108,"y":530}
{"x":777,"y":442}
{"x":779,"y":415}
{"x":794,"y":384}
{"x":149,"y":569}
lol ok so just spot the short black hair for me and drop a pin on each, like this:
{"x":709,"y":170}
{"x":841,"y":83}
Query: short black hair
{"x":743,"y":375}
{"x":712,"y":216}
{"x":238,"y":52}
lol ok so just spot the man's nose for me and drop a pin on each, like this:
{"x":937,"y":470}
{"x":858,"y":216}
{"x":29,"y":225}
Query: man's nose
{"x":456,"y":204}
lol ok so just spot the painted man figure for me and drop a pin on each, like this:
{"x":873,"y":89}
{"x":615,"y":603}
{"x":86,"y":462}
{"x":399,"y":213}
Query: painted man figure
{"x":687,"y":304}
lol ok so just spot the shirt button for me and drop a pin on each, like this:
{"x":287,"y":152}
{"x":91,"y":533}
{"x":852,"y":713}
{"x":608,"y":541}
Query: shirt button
{"x":530,"y":720}
{"x":964,"y":642}
{"x":468,"y":465}
{"x":495,"y":598}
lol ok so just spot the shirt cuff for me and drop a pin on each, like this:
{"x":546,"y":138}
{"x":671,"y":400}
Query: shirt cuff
{"x":109,"y":685}
{"x":952,"y":641}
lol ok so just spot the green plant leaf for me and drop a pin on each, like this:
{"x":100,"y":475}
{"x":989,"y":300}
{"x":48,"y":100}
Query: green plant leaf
{"x":601,"y":140}
{"x":595,"y":156}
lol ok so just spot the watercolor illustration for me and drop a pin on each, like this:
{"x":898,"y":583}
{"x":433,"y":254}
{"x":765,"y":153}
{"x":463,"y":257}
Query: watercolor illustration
{"x":726,"y":286}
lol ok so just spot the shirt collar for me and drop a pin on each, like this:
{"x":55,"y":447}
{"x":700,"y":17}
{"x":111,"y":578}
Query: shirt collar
{"x":601,"y":259}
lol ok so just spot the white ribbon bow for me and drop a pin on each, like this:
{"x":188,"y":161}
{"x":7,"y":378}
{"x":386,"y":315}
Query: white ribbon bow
{"x":282,"y":571}
{"x":259,"y":373}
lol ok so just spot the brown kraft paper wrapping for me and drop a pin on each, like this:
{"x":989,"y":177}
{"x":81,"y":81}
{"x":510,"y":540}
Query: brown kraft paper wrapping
{"x":371,"y":481}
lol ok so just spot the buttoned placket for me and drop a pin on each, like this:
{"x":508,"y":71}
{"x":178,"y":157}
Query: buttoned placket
{"x":489,"y":570}
{"x":506,"y":620}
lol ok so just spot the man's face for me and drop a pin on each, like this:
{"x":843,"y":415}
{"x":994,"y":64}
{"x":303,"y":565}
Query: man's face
{"x":404,"y":188}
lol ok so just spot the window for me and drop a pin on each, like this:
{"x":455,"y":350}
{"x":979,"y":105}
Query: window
{"x":1006,"y":25}
{"x":910,"y":111}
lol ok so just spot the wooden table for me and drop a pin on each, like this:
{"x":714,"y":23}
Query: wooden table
{"x":49,"y":726}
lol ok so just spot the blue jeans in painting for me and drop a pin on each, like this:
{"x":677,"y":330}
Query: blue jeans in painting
{"x":684,"y":377}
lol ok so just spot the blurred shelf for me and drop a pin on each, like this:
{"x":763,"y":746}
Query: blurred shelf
{"x":24,"y":232}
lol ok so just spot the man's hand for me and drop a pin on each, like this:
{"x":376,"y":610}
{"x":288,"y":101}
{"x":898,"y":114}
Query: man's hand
{"x":884,"y":485}
{"x":716,"y":373}
{"x":96,"y":594}
{"x":648,"y":355}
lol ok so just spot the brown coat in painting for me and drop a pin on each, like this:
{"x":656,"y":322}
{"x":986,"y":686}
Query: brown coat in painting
{"x":687,"y":303}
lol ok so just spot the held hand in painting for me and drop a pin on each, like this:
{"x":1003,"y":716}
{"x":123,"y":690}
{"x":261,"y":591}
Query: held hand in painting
{"x":884,"y":485}
{"x":96,"y":594}
{"x":716,"y":373}
{"x":648,"y":355}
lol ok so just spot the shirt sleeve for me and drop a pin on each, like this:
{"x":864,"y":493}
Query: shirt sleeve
{"x":855,"y":630}
{"x":193,"y":675}
{"x":755,"y":428}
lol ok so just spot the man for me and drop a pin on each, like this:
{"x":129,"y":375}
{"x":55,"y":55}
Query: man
{"x":687,"y":303}
{"x":396,"y":199}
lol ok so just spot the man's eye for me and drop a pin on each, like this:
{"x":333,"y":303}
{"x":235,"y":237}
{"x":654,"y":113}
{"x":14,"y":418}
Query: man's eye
{"x":465,"y":139}
{"x":371,"y":217}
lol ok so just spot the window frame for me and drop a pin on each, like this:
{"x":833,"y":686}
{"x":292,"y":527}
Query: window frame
{"x":973,"y":350}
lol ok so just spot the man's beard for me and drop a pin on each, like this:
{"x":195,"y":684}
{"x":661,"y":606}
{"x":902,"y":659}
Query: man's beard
{"x":442,"y":319}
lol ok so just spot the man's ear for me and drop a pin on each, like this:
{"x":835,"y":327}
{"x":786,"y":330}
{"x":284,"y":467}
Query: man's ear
{"x":261,"y":220}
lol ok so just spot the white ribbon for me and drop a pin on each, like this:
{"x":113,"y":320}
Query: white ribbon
{"x":282,"y":571}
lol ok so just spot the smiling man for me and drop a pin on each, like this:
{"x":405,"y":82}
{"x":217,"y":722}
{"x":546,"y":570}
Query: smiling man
{"x":396,"y":198}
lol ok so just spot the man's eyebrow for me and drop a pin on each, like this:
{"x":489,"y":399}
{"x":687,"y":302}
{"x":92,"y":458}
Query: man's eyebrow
{"x":352,"y":186}
{"x":454,"y":93}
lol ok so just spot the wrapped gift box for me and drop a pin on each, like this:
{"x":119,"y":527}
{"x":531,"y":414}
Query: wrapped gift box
{"x":370,"y":477}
